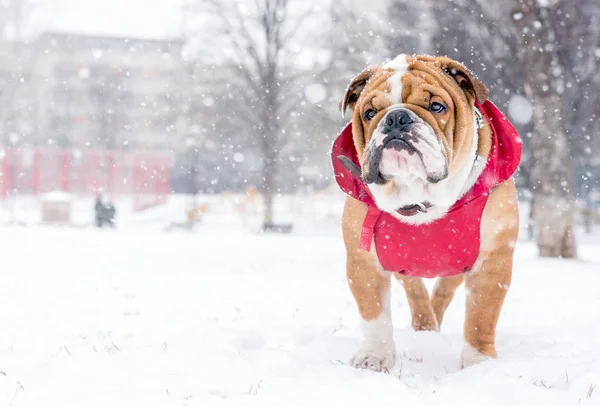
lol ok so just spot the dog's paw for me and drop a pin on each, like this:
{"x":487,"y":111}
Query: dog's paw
{"x":471,"y":356}
{"x":373,"y":362}
{"x":425,"y":324}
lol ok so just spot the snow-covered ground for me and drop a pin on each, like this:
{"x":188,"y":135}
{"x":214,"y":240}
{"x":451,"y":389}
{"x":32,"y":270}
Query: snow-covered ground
{"x":221,"y":316}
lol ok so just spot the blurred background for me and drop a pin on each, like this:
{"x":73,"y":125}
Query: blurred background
{"x":191,"y":114}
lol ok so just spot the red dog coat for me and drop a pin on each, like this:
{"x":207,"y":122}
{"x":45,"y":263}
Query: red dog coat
{"x":444,"y":247}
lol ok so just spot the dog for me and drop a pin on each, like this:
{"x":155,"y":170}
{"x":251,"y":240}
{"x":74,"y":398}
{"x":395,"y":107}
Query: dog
{"x":427,"y":162}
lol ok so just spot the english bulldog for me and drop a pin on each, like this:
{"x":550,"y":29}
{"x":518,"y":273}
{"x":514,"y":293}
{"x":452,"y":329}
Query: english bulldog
{"x":427,"y":162}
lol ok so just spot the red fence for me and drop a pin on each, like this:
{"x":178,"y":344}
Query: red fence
{"x":146,"y":176}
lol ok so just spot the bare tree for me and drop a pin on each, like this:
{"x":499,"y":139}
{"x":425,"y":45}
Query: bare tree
{"x":577,"y":29}
{"x":257,"y":44}
{"x":553,"y":206}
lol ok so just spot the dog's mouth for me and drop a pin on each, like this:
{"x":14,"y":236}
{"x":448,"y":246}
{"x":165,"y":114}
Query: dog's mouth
{"x":374,"y":156}
{"x":414,"y":209}
{"x":407,"y":211}
{"x":399,"y":144}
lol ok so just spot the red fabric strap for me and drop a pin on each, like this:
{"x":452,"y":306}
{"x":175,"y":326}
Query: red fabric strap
{"x":366,"y":236}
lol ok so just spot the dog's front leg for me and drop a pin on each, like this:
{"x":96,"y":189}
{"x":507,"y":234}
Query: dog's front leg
{"x":371,"y":290}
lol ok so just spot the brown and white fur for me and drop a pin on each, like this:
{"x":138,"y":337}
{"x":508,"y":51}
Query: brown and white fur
{"x":452,"y":152}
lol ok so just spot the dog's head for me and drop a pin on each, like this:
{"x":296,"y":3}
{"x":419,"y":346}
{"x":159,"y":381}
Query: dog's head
{"x":415,"y":131}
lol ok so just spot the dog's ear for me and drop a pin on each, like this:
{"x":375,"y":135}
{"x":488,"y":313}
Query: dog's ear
{"x":465,"y":79}
{"x":355,"y":88}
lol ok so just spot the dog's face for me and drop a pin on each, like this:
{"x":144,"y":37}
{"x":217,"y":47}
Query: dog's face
{"x":415,"y":133}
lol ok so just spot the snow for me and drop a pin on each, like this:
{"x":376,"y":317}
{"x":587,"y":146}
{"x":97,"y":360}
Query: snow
{"x":222,"y":316}
{"x":315,"y":93}
{"x":399,"y":63}
{"x":57,"y":196}
{"x":520,"y":109}
{"x":238,"y":157}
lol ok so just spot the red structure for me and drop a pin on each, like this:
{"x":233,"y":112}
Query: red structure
{"x":146,"y":176}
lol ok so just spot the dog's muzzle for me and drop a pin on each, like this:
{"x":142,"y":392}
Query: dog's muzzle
{"x":395,"y":131}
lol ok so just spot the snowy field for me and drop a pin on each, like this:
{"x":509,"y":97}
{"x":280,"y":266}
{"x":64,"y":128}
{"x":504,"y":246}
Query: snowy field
{"x":221,"y":316}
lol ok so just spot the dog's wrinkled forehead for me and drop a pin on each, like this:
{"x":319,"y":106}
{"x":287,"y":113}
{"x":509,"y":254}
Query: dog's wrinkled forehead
{"x":387,"y":80}
{"x":381,"y":84}
{"x":399,"y":68}
{"x":402,"y":76}
{"x":399,"y":77}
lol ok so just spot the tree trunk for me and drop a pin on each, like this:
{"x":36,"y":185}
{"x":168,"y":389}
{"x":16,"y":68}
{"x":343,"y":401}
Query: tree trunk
{"x":552,"y":175}
{"x":554,"y":207}
{"x":268,"y":190}
{"x":270,"y":140}
{"x":269,"y":168}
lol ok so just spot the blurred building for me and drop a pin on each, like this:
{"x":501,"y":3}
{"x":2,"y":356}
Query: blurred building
{"x":102,"y":92}
{"x":17,"y":97}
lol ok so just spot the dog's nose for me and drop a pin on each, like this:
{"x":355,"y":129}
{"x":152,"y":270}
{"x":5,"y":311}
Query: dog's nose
{"x":396,"y":119}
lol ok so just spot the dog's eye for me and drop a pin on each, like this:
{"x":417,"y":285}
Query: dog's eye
{"x":369,"y":114}
{"x":437,"y":107}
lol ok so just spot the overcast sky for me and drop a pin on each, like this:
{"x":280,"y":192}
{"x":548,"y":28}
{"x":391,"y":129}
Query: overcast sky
{"x":137,"y":18}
